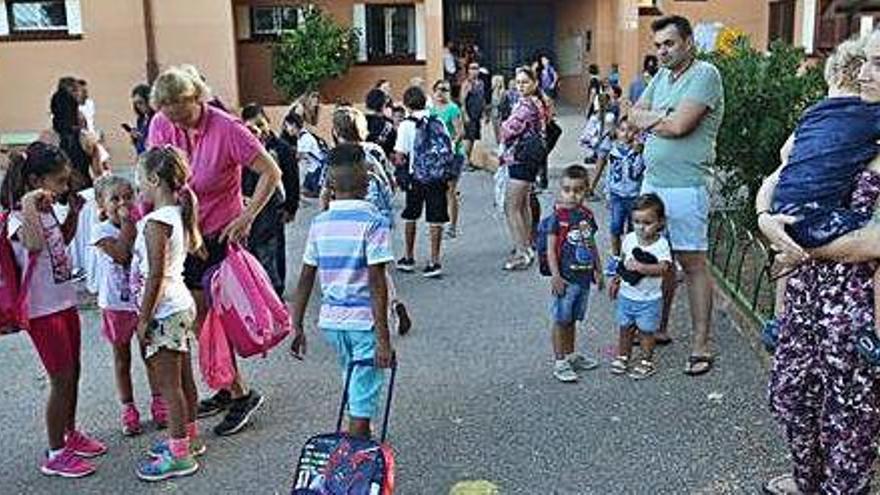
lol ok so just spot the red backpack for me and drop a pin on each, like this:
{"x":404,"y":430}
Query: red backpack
{"x":13,"y":284}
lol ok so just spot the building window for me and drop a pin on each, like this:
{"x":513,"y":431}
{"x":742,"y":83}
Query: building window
{"x":35,"y":16}
{"x":391,"y":33}
{"x":272,"y":21}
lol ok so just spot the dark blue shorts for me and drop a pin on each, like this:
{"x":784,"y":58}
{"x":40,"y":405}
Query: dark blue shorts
{"x":820,"y":227}
{"x":621,"y":214}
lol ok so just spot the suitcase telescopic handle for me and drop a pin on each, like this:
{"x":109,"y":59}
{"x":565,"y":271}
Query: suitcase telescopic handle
{"x":387,"y":415}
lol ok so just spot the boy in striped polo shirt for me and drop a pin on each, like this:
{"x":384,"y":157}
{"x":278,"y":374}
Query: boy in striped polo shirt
{"x":348,"y":248}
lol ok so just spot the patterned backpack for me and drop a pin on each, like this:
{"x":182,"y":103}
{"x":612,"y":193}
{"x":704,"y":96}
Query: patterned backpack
{"x":434,"y":159}
{"x":563,"y":216}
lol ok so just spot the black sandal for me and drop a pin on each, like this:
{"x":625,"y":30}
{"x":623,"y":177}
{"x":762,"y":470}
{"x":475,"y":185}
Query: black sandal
{"x":693,"y":365}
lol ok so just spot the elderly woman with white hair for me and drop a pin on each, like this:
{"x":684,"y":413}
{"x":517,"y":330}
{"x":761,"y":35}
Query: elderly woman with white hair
{"x":218,"y":146}
{"x":824,"y":388}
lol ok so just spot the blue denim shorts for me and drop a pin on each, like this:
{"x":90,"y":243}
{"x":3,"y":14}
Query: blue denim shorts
{"x":571,"y":306}
{"x":366,"y":382}
{"x":621,"y":213}
{"x":645,"y":315}
{"x":687,"y":216}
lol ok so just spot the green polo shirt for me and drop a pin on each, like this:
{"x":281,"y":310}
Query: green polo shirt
{"x":684,"y":161}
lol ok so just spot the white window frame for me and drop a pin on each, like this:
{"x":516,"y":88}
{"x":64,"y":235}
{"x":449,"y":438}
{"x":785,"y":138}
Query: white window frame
{"x":416,"y":32}
{"x":73,"y":14}
{"x":276,"y":15}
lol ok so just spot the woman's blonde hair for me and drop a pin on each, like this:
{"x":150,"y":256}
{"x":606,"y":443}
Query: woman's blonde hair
{"x":177,"y":84}
{"x":498,"y":82}
{"x":843,"y":65}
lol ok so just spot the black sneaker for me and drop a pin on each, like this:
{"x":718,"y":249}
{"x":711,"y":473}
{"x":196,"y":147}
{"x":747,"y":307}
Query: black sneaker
{"x":432,"y":271}
{"x":239,"y":414}
{"x":403,"y":322}
{"x":214,"y":405}
{"x":406,"y":265}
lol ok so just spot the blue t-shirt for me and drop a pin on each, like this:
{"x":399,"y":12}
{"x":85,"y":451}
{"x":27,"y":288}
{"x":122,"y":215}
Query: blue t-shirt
{"x":834,"y":141}
{"x":576,"y":256}
{"x":626,"y":169}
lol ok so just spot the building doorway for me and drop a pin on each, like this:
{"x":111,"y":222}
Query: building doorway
{"x":509,"y":33}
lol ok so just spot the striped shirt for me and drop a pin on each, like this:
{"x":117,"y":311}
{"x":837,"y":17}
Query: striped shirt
{"x":343,"y":242}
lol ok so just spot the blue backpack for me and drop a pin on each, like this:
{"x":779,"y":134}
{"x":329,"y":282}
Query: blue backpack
{"x":563,"y":217}
{"x":434,"y":159}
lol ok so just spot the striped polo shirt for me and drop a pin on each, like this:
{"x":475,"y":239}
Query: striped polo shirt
{"x":343,"y":242}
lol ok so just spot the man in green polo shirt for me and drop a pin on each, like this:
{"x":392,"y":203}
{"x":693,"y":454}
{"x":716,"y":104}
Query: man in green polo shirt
{"x":681,"y":109}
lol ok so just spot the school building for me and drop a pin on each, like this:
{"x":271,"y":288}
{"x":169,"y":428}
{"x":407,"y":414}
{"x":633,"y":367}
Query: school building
{"x":115,"y":44}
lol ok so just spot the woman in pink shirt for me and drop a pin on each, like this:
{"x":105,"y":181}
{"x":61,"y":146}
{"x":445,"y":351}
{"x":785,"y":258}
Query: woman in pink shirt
{"x":217,"y":145}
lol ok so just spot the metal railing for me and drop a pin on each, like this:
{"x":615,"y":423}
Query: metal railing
{"x":741,"y":262}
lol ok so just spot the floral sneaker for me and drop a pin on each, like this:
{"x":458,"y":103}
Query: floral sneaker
{"x":67,"y":465}
{"x":131,"y":420}
{"x":83,"y":445}
{"x":160,"y":448}
{"x":167,"y":467}
{"x":159,"y":411}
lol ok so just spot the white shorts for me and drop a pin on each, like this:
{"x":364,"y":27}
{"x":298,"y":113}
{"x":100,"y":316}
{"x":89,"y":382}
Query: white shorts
{"x":687,"y":216}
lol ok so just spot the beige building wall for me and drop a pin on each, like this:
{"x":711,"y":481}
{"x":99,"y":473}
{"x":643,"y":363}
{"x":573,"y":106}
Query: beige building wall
{"x":111,"y":56}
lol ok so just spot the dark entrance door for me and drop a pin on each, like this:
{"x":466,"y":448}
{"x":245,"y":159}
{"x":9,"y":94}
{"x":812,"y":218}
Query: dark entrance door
{"x":509,"y":32}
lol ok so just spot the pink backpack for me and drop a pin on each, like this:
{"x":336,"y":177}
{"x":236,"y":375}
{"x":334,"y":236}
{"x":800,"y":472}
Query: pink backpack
{"x":13,"y":284}
{"x":215,"y":358}
{"x":245,"y":304}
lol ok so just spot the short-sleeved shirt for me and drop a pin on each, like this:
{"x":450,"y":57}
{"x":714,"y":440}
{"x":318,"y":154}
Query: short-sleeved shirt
{"x":343,"y":243}
{"x":51,"y":288}
{"x":114,"y":282}
{"x":448,"y":113}
{"x":406,"y":136}
{"x":311,"y":150}
{"x":834,"y":141}
{"x":175,"y":297}
{"x":684,"y":161}
{"x":576,"y":250}
{"x":217,"y":149}
{"x":648,"y":288}
{"x":626,"y":168}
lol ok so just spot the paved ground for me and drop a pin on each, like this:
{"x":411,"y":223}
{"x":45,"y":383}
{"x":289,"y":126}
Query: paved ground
{"x":476,"y":400}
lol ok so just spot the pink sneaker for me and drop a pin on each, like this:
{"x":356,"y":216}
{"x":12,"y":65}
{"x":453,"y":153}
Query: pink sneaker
{"x":67,"y":465}
{"x":131,"y":420}
{"x":159,"y":411}
{"x":84,"y":446}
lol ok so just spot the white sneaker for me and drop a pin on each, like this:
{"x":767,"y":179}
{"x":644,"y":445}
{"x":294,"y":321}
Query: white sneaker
{"x":563,"y":372}
{"x":582,"y":363}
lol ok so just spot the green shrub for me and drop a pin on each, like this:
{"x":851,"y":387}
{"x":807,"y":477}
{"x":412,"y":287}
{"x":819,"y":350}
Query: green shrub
{"x":318,"y":50}
{"x":765,"y":95}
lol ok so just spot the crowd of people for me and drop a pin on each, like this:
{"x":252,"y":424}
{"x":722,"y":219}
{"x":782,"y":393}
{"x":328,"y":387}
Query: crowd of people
{"x":207,"y":179}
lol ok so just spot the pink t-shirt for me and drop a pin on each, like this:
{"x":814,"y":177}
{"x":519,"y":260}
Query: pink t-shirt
{"x":217,"y":149}
{"x":51,"y":288}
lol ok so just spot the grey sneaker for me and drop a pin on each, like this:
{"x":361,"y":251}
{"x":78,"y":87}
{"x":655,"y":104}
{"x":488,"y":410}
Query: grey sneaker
{"x":582,"y":363}
{"x":563,"y":372}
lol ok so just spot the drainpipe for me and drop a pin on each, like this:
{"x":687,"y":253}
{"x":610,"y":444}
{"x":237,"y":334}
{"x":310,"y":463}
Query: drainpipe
{"x":150,"y":34}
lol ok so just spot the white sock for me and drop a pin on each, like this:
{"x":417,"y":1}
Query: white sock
{"x":561,"y":362}
{"x":569,"y":357}
{"x":54,"y":453}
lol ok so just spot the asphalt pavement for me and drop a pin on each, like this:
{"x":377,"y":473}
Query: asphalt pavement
{"x":475,"y":399}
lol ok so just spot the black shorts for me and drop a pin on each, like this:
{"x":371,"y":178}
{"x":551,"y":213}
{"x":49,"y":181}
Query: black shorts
{"x":526,"y":172}
{"x":195,"y":267}
{"x":472,"y":130}
{"x":432,"y":196}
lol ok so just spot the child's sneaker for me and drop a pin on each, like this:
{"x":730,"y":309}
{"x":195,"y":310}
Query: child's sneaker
{"x":67,"y":465}
{"x":642,"y":370}
{"x":433,"y":270}
{"x":131,"y":420}
{"x":620,"y":365}
{"x":770,"y":335}
{"x":83,"y":445}
{"x":167,"y":467}
{"x":611,"y":266}
{"x":580,"y":362}
{"x":406,"y":265}
{"x":159,"y":411}
{"x":563,"y":372}
{"x":161,"y":448}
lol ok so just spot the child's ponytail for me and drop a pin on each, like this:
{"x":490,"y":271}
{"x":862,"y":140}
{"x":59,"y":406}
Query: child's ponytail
{"x":189,"y":207}
{"x":38,"y":160}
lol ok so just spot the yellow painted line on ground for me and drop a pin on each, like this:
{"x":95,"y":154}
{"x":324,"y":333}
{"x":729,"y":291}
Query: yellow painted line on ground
{"x":478,"y":487}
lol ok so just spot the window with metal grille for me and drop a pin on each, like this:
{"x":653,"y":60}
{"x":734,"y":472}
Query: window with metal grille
{"x":391,"y":33}
{"x":31,"y":16}
{"x":273,"y":20}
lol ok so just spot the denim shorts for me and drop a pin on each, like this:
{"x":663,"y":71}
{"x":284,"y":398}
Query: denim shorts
{"x":366,"y":382}
{"x":645,"y":315}
{"x":571,"y":306}
{"x":621,"y":213}
{"x":687,"y":216}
